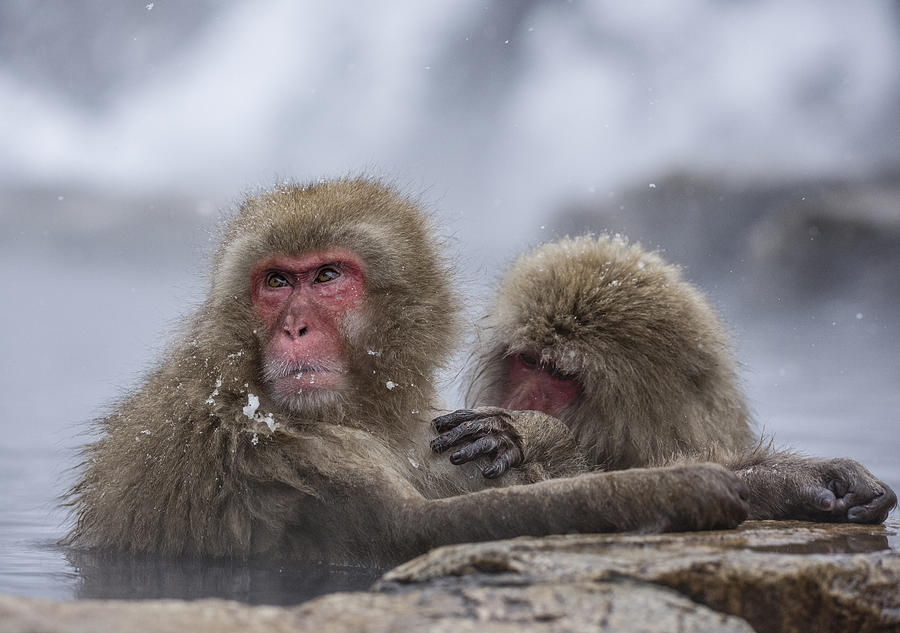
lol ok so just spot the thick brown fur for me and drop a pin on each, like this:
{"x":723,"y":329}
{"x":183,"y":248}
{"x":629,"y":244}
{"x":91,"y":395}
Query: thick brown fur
{"x":193,"y":464}
{"x":178,"y":466}
{"x":656,"y":368}
{"x":657,"y":375}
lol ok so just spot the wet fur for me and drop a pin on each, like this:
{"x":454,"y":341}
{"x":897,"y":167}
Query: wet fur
{"x":187,"y":465}
{"x":180,"y":468}
{"x":658,"y":377}
{"x":657,"y":374}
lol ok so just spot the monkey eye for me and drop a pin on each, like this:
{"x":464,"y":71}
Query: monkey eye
{"x":528,"y":360}
{"x":326,"y":274}
{"x":276,"y":280}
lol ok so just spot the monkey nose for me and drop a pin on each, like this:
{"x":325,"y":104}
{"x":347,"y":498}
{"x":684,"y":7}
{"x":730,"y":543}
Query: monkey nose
{"x":295,"y":331}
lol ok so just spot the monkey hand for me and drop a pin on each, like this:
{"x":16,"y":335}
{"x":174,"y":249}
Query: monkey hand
{"x":836,"y":490}
{"x":510,"y":439}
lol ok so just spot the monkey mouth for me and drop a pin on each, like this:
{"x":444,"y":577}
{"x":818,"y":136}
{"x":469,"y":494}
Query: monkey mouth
{"x":278,"y":370}
{"x":300,"y":380}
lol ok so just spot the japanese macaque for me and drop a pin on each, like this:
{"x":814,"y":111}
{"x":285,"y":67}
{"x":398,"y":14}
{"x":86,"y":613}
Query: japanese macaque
{"x":289,"y":418}
{"x":609,"y":339}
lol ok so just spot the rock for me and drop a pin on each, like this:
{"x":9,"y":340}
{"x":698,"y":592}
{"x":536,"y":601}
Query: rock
{"x":778,"y":576}
{"x":765,"y":577}
{"x":21,"y":615}
{"x":458,"y":607}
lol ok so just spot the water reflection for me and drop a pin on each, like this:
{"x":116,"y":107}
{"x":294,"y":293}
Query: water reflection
{"x":833,"y":544}
{"x":105,"y":575}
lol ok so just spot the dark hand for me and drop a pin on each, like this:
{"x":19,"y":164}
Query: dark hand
{"x":848,"y":492}
{"x":838,"y":490}
{"x":482,"y":431}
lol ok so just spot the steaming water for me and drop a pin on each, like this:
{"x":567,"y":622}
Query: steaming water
{"x":501,"y":112}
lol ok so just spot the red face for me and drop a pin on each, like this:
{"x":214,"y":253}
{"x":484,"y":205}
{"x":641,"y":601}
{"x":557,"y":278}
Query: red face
{"x":307,"y":305}
{"x":537,"y":387}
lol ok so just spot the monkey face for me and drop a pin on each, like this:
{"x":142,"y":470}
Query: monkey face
{"x":305,"y":304}
{"x":537,"y":386}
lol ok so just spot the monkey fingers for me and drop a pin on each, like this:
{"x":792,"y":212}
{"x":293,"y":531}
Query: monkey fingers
{"x":507,"y":455}
{"x":506,"y":459}
{"x":482,"y":446}
{"x":452,"y":420}
{"x":845,"y":491}
{"x":858,"y":496}
{"x":483,"y":431}
{"x":464,"y":425}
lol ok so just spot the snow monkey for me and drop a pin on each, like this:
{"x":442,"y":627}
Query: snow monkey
{"x":610,"y":339}
{"x":290,"y":416}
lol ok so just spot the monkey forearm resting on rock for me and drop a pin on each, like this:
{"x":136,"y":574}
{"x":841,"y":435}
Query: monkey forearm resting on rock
{"x":676,"y":498}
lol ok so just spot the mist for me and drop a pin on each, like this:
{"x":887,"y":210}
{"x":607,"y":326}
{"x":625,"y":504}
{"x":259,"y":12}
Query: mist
{"x":755,"y":143}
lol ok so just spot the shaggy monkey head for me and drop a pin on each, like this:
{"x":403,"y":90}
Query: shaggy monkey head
{"x":609,"y":338}
{"x":334,"y":294}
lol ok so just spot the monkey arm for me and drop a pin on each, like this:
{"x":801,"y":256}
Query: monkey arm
{"x":782,"y":485}
{"x":541,"y":443}
{"x":675,"y":498}
{"x":789,"y":486}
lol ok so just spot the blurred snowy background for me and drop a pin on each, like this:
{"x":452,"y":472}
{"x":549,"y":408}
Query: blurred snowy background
{"x":757,"y":143}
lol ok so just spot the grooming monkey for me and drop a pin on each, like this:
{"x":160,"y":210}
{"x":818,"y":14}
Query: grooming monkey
{"x":608,"y":338}
{"x":289,"y":418}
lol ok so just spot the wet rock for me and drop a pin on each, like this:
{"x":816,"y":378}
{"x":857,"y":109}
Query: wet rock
{"x":459,"y":607}
{"x":461,"y":604}
{"x":764,"y":577}
{"x":764,"y":572}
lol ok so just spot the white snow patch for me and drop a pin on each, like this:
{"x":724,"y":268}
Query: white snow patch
{"x":252,"y":406}
{"x":251,"y":412}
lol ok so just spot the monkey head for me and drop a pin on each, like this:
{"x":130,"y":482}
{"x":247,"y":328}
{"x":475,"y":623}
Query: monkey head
{"x":607,"y":337}
{"x":335,"y":294}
